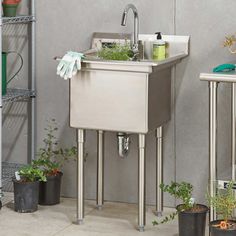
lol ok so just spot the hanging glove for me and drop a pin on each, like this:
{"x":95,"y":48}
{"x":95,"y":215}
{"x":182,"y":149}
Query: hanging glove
{"x":69,"y":64}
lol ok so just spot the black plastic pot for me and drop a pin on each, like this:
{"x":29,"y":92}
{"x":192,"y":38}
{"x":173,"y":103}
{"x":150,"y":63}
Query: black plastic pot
{"x":192,"y":223}
{"x":215,"y":231}
{"x":26,"y":196}
{"x":49,"y":192}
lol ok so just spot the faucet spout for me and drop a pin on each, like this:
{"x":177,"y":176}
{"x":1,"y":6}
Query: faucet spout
{"x":136,"y":23}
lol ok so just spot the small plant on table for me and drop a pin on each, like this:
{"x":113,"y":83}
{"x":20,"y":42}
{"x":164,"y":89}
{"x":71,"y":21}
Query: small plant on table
{"x":230,"y":42}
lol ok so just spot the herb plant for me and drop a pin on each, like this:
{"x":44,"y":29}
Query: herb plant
{"x":229,"y":42}
{"x":224,"y":202}
{"x":30,"y":174}
{"x":181,"y":191}
{"x":116,"y":52}
{"x":51,"y":157}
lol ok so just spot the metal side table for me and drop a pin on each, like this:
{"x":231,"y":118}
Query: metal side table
{"x":213,"y":80}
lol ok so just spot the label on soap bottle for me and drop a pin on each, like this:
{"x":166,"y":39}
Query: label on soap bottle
{"x":159,"y":52}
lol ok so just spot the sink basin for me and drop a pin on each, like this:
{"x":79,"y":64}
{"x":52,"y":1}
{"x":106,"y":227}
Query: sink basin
{"x":125,"y":96}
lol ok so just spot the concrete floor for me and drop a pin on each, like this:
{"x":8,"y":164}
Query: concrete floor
{"x":115,"y":219}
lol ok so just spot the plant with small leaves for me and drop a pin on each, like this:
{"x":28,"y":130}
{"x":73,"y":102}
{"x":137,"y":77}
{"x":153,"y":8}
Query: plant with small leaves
{"x":51,"y":157}
{"x":166,"y":219}
{"x":116,"y":52}
{"x":30,"y":174}
{"x":181,"y":191}
{"x":229,"y":42}
{"x":224,"y":202}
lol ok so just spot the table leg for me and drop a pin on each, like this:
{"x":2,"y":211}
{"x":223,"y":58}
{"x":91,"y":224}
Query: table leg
{"x":233,"y":139}
{"x":233,"y":130}
{"x":213,"y":143}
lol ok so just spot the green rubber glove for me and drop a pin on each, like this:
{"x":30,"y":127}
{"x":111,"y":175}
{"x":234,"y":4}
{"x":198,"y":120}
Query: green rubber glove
{"x":224,"y":68}
{"x":69,"y":64}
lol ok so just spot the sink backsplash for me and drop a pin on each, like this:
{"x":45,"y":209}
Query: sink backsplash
{"x":177,"y":44}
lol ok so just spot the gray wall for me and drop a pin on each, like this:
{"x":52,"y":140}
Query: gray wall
{"x":207,"y":22}
{"x":55,"y":35}
{"x":62,"y":26}
{"x":186,"y":141}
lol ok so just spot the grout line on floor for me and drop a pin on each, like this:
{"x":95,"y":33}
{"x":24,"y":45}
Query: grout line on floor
{"x":54,"y":234}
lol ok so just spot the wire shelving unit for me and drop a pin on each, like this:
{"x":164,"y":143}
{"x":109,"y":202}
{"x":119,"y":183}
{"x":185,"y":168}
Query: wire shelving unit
{"x":7,"y":169}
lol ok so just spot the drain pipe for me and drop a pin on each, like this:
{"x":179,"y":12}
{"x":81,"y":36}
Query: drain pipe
{"x":123,"y":141}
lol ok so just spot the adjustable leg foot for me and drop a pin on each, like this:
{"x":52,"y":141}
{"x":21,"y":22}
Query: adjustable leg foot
{"x":99,"y":207}
{"x":158,"y":213}
{"x":141,"y":229}
{"x":78,"y":222}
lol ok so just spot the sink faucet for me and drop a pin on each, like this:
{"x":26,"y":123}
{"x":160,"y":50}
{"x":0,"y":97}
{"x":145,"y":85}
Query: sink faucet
{"x":136,"y":24}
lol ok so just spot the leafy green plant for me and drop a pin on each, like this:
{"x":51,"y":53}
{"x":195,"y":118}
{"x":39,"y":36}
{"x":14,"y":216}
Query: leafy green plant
{"x":224,"y":202}
{"x":51,"y":157}
{"x":229,"y":42}
{"x":181,"y":191}
{"x":116,"y":52}
{"x":30,"y":174}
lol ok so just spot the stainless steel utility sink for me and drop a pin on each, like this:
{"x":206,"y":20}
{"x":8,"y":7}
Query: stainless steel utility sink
{"x":127,"y":96}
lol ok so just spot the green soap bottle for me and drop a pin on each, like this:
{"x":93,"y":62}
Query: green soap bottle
{"x":159,"y":48}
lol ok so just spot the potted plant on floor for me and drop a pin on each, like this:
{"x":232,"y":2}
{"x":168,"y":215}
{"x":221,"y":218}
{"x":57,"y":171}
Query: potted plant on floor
{"x":10,"y":7}
{"x":225,"y":203}
{"x":26,"y":188}
{"x":50,"y":160}
{"x":191,"y":216}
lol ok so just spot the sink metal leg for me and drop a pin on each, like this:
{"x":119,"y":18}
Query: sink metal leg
{"x":100,"y":169}
{"x":213,"y":144}
{"x":142,"y":185}
{"x":159,"y":171}
{"x":80,"y":177}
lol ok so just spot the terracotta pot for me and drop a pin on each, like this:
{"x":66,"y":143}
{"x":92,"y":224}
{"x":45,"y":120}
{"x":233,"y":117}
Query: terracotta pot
{"x":216,"y":231}
{"x":10,"y":7}
{"x":11,"y":2}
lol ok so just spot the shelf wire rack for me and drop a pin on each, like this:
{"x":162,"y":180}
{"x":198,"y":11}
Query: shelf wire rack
{"x":17,"y":20}
{"x":15,"y":94}
{"x":8,"y":171}
{"x":18,"y":94}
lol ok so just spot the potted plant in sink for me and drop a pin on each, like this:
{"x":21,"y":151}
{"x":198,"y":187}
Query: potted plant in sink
{"x":26,"y":188}
{"x":224,"y":202}
{"x":191,"y":216}
{"x":50,"y":160}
